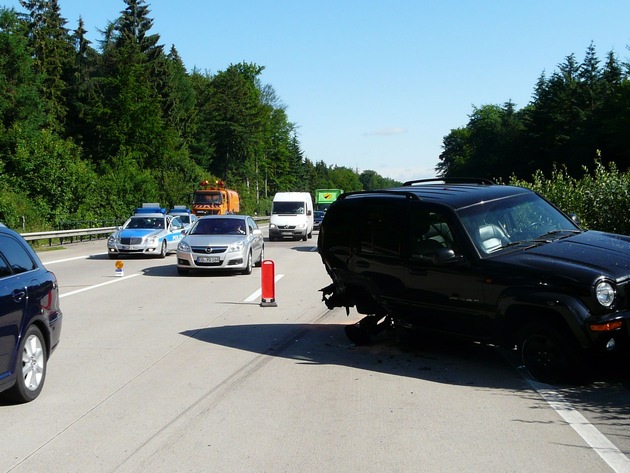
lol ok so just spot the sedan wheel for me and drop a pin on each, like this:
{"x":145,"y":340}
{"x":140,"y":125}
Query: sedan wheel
{"x":248,"y":268}
{"x":163,"y":249}
{"x":262,"y":257}
{"x":30,"y":367}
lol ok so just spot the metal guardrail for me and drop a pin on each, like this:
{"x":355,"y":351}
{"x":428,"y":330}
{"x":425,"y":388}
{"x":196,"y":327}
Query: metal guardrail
{"x":68,"y":234}
{"x":80,"y":233}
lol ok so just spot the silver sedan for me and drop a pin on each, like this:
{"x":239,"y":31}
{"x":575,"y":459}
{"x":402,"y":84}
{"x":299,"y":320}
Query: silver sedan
{"x":221,"y":242}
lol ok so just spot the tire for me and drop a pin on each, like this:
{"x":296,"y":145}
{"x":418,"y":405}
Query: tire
{"x":30,"y":367}
{"x":262,"y":257}
{"x":248,"y":268}
{"x":305,"y":237}
{"x":163,"y":249}
{"x":550,"y":355}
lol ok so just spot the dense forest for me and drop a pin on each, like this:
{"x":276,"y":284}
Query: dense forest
{"x":577,"y":115}
{"x":89,"y":132}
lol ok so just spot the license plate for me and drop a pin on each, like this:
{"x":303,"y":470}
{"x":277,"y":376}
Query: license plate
{"x":127,"y":247}
{"x":208,"y":259}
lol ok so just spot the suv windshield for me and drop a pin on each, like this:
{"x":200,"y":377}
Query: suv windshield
{"x":514,"y":220}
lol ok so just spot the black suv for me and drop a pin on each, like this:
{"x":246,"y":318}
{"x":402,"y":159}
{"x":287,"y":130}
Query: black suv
{"x":493,"y":263}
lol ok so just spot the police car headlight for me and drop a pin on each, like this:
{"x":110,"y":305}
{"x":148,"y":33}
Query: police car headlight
{"x":183,"y":246}
{"x":605,"y":293}
{"x":113,"y":239}
{"x":237,"y":246}
{"x":152,"y":240}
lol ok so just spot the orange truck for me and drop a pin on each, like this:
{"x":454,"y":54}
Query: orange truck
{"x":215,"y":199}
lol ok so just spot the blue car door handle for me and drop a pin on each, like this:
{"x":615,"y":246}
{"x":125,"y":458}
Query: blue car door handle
{"x":19,"y":295}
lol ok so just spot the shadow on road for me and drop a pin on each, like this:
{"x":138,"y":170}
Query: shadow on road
{"x":433,"y":360}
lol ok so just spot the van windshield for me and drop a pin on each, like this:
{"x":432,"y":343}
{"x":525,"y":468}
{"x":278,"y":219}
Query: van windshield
{"x":292,"y":208}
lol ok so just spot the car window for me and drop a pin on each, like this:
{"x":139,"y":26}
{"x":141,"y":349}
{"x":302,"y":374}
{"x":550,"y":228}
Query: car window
{"x":5,"y":270}
{"x":16,"y":255}
{"x":429,"y":230}
{"x":383,"y":227}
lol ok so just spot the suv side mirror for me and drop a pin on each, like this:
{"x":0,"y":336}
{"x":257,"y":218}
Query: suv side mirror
{"x":575,"y":218}
{"x":446,"y":256}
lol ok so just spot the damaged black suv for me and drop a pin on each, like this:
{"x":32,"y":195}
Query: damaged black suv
{"x":493,"y":263}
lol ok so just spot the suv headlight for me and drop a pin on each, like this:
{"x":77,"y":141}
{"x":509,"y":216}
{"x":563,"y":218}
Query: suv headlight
{"x":605,"y":293}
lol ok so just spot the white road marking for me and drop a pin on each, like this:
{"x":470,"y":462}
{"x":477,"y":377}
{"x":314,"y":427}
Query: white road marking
{"x":258,"y":293}
{"x":98,"y":285}
{"x":613,"y":457}
{"x":72,"y":259}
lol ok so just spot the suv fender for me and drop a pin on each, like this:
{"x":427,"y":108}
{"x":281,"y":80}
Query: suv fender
{"x":520,"y":306}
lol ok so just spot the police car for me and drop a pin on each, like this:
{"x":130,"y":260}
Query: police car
{"x":150,"y":231}
{"x":184,"y":214}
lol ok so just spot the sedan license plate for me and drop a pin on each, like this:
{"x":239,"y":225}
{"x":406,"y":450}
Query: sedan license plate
{"x":208,"y":259}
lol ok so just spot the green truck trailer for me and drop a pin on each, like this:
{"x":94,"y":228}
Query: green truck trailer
{"x":325,"y":197}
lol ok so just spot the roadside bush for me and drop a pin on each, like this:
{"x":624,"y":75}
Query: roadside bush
{"x":601,"y":199}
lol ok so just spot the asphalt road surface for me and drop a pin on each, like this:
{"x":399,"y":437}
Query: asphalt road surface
{"x":157,"y":372}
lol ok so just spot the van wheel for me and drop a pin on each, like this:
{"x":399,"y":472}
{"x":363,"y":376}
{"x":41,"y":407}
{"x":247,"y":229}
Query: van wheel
{"x":305,"y":237}
{"x":549,"y":355}
{"x":310,"y":235}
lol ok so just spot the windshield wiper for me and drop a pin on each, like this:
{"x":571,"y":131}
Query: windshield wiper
{"x":566,"y":233}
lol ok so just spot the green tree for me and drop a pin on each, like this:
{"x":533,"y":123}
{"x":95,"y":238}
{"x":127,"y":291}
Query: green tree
{"x":53,"y":52}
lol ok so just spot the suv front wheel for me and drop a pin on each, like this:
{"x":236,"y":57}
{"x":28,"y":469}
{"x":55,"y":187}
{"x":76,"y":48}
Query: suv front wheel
{"x":549,"y":354}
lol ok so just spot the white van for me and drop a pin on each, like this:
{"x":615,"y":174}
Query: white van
{"x":291,"y":216}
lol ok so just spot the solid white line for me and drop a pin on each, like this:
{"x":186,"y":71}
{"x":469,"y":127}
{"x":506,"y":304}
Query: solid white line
{"x":613,"y":457}
{"x":258,"y":293}
{"x":72,"y":259}
{"x":98,"y":285}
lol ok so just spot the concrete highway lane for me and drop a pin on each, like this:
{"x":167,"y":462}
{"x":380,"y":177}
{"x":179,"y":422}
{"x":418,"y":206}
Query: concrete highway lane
{"x":163,"y":373}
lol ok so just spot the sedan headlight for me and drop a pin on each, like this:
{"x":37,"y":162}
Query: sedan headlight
{"x":183,"y":246}
{"x":605,"y":293}
{"x":237,"y":246}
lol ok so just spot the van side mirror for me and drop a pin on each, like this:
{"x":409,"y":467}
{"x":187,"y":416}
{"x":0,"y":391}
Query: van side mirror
{"x":309,"y":213}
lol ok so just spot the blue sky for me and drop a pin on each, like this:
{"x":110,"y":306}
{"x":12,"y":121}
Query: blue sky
{"x":377,"y":84}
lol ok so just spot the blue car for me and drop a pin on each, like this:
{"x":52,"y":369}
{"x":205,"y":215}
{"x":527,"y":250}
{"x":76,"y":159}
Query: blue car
{"x":318,"y":216}
{"x":150,"y":231}
{"x":30,"y":318}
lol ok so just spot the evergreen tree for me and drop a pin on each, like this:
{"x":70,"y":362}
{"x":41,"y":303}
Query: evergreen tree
{"x":53,"y":51}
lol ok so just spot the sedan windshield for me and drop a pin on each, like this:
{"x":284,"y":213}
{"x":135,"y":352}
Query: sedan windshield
{"x":219,"y":226}
{"x":524,"y":219}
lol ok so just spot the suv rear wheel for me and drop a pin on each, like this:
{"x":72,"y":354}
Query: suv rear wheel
{"x":549,"y":354}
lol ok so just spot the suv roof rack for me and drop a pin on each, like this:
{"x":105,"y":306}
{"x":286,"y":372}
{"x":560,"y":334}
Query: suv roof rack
{"x":451,"y":180}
